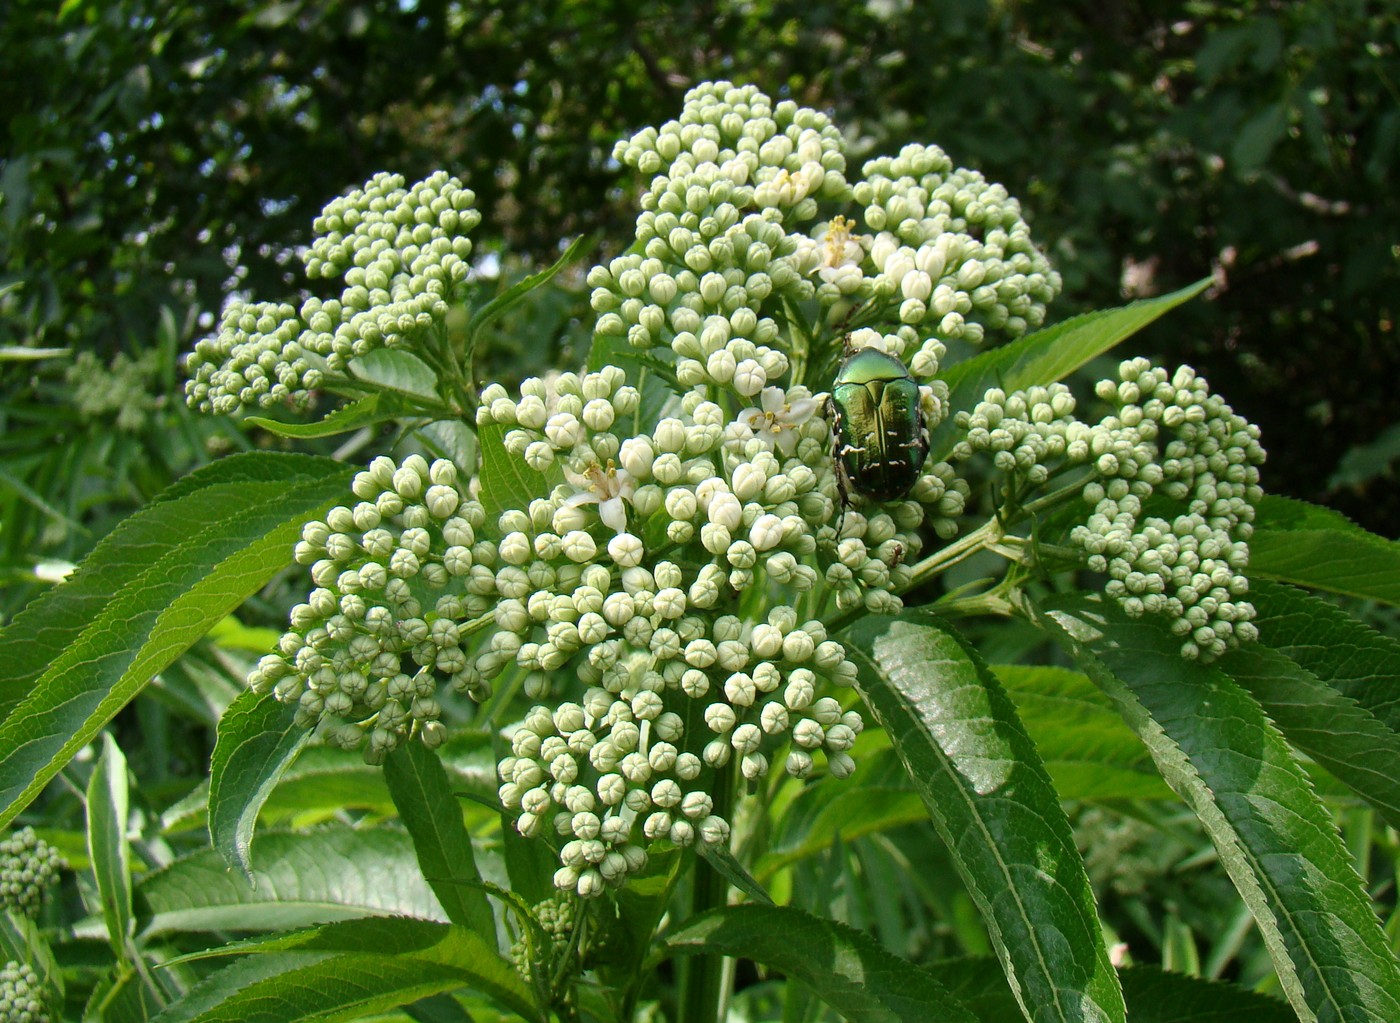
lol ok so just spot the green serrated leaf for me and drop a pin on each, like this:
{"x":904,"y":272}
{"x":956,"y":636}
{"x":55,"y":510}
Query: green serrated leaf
{"x":1358,"y":662}
{"x":1217,"y":749}
{"x":331,"y":873}
{"x":506,"y":481}
{"x":844,"y":967}
{"x":1336,"y":731}
{"x":723,"y":861}
{"x":1302,"y":543}
{"x":429,"y":810}
{"x":52,"y":621}
{"x":345,"y":971}
{"x":1050,"y":354}
{"x":367,"y":411}
{"x":108,"y":850}
{"x":992,"y":802}
{"x":184,"y":562}
{"x":396,"y":369}
{"x":257,"y":739}
{"x":1087,"y":749}
{"x":1152,"y":995}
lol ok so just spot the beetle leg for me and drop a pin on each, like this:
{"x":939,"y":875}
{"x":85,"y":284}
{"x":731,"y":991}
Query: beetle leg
{"x":843,"y":495}
{"x":833,"y":414}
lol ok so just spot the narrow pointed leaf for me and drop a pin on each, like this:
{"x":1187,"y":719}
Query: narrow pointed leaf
{"x":258,"y":738}
{"x":733,"y":871}
{"x":379,"y":407}
{"x":331,"y":873}
{"x":423,"y":795}
{"x":1359,"y":662}
{"x":107,"y":807}
{"x":1297,"y":542}
{"x":992,"y":802}
{"x":1217,"y":749}
{"x":1334,"y":730}
{"x":516,"y":293}
{"x":844,"y":967}
{"x":54,"y":619}
{"x":1152,"y":995}
{"x":173,"y":570}
{"x":350,"y":971}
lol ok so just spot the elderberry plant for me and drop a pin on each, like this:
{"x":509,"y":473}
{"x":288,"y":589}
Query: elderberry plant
{"x":658,"y":550}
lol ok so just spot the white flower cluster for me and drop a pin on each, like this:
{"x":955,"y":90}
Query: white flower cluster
{"x":255,"y":359}
{"x":28,"y":867}
{"x":694,"y":517}
{"x":21,"y":994}
{"x":397,"y":575}
{"x":952,"y":248}
{"x":400,"y":251}
{"x":1190,"y":568}
{"x":1028,"y":433}
{"x":736,"y":177}
{"x":664,"y":566}
{"x":1171,"y":436}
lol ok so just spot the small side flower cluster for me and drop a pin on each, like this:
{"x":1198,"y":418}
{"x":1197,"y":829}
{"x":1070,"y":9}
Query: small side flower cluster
{"x":396,"y":577}
{"x":952,"y":248}
{"x":1190,"y":568}
{"x":21,"y":994}
{"x":556,"y":917}
{"x":401,"y":251}
{"x":1171,"y":436}
{"x":29,"y":866}
{"x":122,"y":390}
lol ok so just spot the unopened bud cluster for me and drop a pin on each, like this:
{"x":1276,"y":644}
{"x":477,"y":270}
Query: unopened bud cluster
{"x":1169,"y":436}
{"x":655,"y":574}
{"x":1191,"y":567}
{"x":397,"y":576}
{"x":121,"y":390}
{"x":21,"y":995}
{"x":556,"y":917}
{"x":29,"y":866}
{"x":952,"y":248}
{"x":400,"y":251}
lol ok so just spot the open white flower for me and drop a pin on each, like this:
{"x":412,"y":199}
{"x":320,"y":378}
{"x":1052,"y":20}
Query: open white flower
{"x":778,"y":420}
{"x":842,"y":252}
{"x":611,"y":489}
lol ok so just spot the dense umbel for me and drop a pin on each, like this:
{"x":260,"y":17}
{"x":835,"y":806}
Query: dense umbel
{"x":685,"y":553}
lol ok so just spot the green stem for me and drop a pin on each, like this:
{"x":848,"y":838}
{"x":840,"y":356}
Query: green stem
{"x":989,"y":534}
{"x":424,"y":406}
{"x":703,"y":978}
{"x":1056,"y":496}
{"x":990,"y":603}
{"x":800,"y":345}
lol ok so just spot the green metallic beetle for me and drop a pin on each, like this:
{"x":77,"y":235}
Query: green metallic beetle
{"x":880,"y":443}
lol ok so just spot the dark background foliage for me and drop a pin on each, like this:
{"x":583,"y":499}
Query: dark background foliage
{"x":155,"y":154}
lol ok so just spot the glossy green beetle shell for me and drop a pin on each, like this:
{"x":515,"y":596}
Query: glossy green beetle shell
{"x":880,"y":443}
